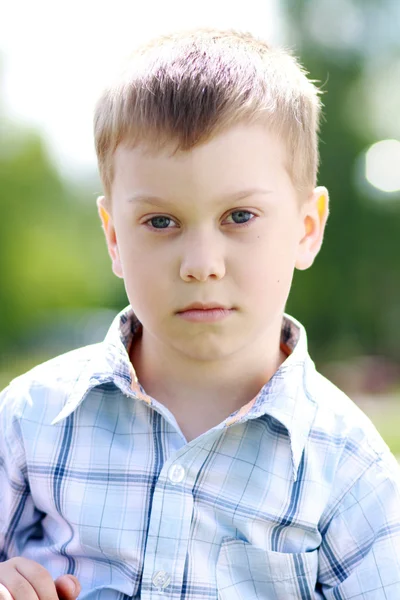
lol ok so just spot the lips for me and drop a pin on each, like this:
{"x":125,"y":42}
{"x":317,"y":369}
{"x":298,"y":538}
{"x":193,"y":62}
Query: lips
{"x":203,"y":306}
{"x":206,"y":314}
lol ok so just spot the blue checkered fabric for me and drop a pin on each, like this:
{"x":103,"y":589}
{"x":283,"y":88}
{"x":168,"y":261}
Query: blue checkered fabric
{"x":297,"y":497}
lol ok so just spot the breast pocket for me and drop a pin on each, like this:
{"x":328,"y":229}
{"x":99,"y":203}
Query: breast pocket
{"x":245,"y":572}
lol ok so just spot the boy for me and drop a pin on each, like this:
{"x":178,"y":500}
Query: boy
{"x":196,"y":453}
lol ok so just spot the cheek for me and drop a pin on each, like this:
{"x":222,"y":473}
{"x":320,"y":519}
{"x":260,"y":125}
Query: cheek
{"x":270,"y":264}
{"x":147,"y":273}
{"x":134,"y":261}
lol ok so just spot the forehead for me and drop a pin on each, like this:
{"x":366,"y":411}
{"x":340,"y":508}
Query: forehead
{"x":239,"y":157}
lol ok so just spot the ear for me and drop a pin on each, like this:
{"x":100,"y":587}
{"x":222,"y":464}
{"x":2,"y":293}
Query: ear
{"x":111,"y":238}
{"x":314,"y":216}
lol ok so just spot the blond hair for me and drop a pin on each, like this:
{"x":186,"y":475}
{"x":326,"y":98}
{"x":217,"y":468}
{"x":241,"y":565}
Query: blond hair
{"x":189,"y":86}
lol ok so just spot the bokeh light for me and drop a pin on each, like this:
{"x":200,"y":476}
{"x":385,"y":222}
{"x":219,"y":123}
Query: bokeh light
{"x":382,"y":165}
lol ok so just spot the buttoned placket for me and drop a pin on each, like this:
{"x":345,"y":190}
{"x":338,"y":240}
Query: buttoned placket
{"x":169,"y":526}
{"x":170,"y":520}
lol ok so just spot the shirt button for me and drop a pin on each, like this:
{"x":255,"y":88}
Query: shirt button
{"x":176,"y":473}
{"x":161,"y":579}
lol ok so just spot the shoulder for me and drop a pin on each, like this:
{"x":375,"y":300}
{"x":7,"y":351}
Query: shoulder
{"x":339,"y":416}
{"x":346,"y":441}
{"x":49,"y":384}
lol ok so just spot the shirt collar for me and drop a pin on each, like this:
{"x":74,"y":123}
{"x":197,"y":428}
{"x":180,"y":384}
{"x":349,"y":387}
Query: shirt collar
{"x":108,"y":363}
{"x":285,"y":397}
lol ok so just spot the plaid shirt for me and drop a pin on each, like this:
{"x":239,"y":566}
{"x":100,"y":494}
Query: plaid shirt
{"x":293,"y":496}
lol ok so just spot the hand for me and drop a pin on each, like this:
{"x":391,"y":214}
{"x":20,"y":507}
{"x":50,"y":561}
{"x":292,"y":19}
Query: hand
{"x":24,"y":579}
{"x":68,"y":587}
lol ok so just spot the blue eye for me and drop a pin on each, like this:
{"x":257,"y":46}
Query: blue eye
{"x":160,"y":222}
{"x":243,"y":216}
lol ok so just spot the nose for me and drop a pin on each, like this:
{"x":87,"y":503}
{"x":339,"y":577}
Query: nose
{"x":202,"y":258}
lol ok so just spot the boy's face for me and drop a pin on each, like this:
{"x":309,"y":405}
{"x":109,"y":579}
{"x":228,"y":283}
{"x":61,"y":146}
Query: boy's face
{"x":219,"y":224}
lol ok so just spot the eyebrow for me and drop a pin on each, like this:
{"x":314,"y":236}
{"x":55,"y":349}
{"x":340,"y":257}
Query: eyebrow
{"x":140,"y":198}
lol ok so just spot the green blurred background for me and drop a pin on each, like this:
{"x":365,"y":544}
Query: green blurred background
{"x":57,"y":291}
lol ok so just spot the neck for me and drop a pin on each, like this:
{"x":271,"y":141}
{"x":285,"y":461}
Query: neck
{"x":214,"y":388}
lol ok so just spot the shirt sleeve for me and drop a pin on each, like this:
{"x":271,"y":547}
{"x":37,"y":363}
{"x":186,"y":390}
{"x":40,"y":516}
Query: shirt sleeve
{"x":359,"y":556}
{"x":19,"y":519}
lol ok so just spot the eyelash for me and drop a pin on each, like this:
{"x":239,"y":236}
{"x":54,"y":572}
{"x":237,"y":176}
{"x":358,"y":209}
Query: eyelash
{"x":160,"y":229}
